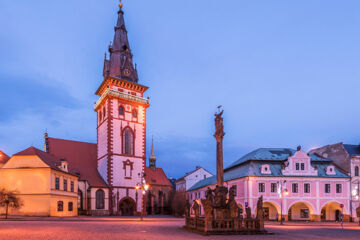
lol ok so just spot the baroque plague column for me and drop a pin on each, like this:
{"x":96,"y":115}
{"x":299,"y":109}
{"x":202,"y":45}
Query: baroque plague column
{"x":121,"y":126}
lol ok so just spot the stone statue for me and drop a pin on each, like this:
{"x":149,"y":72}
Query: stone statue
{"x":248,"y":213}
{"x":209,"y":195}
{"x":259,"y":209}
{"x":220,"y":196}
{"x":232,"y":205}
{"x":196,"y":209}
{"x":187,"y":208}
{"x":219,"y":135}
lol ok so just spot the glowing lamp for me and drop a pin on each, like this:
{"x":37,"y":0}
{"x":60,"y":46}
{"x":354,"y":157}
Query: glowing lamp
{"x":286,"y":192}
{"x":146,"y":187}
{"x":143,"y":192}
{"x":354,"y":192}
{"x":137,"y":187}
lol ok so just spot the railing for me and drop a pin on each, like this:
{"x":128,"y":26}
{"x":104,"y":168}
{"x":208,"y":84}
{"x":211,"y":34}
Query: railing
{"x":121,"y":95}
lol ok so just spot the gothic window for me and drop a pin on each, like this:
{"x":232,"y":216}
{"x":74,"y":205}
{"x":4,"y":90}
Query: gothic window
{"x":100,"y":199}
{"x":70,"y":206}
{"x":356,"y":171}
{"x":121,"y":111}
{"x":134,"y":113}
{"x":60,"y":205}
{"x":128,"y":142}
{"x":128,"y":167}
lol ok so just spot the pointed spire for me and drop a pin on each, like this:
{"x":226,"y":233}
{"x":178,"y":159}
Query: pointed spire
{"x":120,"y":64}
{"x":152,"y":158}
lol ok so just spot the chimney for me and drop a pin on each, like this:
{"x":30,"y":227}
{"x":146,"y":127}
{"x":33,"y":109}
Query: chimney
{"x":46,"y":144}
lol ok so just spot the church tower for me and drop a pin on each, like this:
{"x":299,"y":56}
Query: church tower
{"x":121,"y":125}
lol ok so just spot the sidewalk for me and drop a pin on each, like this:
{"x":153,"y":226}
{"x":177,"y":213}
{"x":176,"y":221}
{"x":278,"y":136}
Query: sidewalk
{"x":92,"y":219}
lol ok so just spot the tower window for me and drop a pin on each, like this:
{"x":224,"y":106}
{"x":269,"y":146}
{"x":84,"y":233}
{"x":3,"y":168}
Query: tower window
{"x":125,"y":48}
{"x":128,"y":142}
{"x":356,"y":171}
{"x":121,"y":110}
{"x":134,"y":113}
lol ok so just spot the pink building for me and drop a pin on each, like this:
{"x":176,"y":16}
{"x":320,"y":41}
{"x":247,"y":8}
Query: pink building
{"x":312,"y":187}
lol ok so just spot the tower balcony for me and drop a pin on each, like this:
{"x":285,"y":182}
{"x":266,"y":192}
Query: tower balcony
{"x":129,"y":97}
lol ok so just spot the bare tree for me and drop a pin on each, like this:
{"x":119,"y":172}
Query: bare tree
{"x":9,"y":199}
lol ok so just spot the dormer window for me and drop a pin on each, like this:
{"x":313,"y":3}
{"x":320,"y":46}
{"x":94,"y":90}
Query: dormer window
{"x":330,"y":170}
{"x":302,"y":166}
{"x":265,"y":169}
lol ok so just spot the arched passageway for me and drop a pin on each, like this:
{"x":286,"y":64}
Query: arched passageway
{"x":331,"y":212}
{"x":271,"y":211}
{"x":127,"y":207}
{"x":300,"y":211}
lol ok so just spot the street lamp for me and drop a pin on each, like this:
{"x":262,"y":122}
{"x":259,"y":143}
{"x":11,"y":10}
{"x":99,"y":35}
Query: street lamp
{"x":282,"y":190}
{"x":143,"y":187}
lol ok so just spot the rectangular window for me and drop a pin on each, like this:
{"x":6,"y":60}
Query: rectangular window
{"x":302,"y":166}
{"x":57,"y":183}
{"x":70,"y":206}
{"x":72,"y":186}
{"x":295,"y":188}
{"x":297,"y":166}
{"x":65,"y":185}
{"x":327,"y":188}
{"x":60,"y":206}
{"x":307,"y":188}
{"x":338,"y":188}
{"x":261,"y":187}
{"x":304,"y":213}
{"x":273,"y":187}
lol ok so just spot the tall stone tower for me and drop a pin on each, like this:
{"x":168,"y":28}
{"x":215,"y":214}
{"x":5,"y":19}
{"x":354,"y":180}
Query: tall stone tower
{"x":121,"y":125}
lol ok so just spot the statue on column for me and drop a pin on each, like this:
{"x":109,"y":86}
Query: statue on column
{"x":219,"y":135}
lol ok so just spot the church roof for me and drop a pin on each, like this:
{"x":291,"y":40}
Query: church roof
{"x":3,"y":157}
{"x":49,"y":159}
{"x":156,"y":177}
{"x":81,"y":156}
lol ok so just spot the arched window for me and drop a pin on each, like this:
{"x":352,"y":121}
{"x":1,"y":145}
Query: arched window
{"x":356,"y":171}
{"x":128,"y":142}
{"x":100,"y":199}
{"x":134,"y":113}
{"x":121,"y":110}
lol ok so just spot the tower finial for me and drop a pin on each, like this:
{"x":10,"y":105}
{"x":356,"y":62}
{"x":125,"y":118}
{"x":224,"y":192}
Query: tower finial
{"x":120,"y":4}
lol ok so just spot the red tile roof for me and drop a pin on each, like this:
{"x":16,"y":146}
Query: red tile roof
{"x":81,"y":156}
{"x":50,"y":160}
{"x":3,"y":157}
{"x":157,"y":177}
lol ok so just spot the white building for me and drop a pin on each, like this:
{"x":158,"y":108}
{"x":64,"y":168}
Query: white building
{"x":191,"y":178}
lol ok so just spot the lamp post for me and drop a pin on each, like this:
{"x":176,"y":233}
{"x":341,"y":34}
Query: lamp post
{"x":143,"y":187}
{"x":282,"y":190}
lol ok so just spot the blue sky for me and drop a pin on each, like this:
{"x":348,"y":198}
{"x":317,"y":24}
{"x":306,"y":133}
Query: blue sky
{"x":286,"y":72}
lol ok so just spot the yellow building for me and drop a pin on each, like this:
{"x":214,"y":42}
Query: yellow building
{"x":45,"y":185}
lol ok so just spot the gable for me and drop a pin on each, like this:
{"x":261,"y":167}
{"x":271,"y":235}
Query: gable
{"x":25,"y":162}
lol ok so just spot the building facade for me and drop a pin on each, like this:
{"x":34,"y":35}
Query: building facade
{"x":45,"y":184}
{"x":347,"y":158}
{"x":301,"y":186}
{"x":191,"y":178}
{"x":121,"y":126}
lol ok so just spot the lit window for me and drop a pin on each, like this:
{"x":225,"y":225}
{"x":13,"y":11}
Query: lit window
{"x":60,"y":206}
{"x":57,"y":183}
{"x":100,"y":199}
{"x":121,"y":110}
{"x":134,"y":113}
{"x":338,"y":188}
{"x":70,"y":207}
{"x":128,"y":142}
{"x":261,"y":187}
